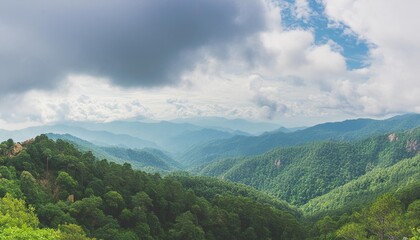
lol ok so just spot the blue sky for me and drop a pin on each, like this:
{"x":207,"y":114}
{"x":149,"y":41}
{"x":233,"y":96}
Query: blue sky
{"x":354,"y":49}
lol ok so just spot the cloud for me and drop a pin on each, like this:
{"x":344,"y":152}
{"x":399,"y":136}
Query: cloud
{"x":392,"y":84}
{"x":264,"y":98}
{"x":103,"y":61}
{"x":144,"y":43}
{"x":302,"y":10}
{"x":72,"y":103}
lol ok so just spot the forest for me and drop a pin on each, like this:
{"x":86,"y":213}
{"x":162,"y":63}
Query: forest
{"x":300,"y":173}
{"x":51,"y":190}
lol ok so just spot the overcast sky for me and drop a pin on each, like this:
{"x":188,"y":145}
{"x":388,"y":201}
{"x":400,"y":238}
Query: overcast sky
{"x":291,"y":62}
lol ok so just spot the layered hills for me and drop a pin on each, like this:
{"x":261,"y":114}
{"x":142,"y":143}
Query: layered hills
{"x":219,"y":183}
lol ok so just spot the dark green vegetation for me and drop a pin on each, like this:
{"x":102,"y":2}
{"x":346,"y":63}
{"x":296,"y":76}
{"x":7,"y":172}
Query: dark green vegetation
{"x":298,"y":174}
{"x":252,"y":145}
{"x":209,"y":188}
{"x":68,"y":189}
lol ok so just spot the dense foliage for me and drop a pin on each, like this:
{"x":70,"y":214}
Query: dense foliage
{"x":298,"y":174}
{"x":209,"y":188}
{"x":365,"y":189}
{"x":66,"y":189}
{"x":393,"y":215}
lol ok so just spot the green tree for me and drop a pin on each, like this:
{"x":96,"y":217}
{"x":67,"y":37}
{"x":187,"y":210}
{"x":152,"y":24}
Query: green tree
{"x":384,"y":218}
{"x":352,"y":231}
{"x":141,"y":201}
{"x":16,"y":214}
{"x":34,"y":192}
{"x":17,"y":222}
{"x":26,"y":233}
{"x":326,"y":226}
{"x":114,"y":202}
{"x":52,"y":215}
{"x":413,"y":214}
{"x":185,"y":228}
{"x":87,"y":211}
{"x":66,"y":184}
{"x":72,"y":232}
{"x":10,"y":186}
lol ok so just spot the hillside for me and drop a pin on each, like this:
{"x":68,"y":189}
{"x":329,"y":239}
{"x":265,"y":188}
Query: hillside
{"x":112,"y":201}
{"x":210,"y":188}
{"x":146,"y":159}
{"x":253,"y":145}
{"x":298,"y":174}
{"x":361,"y":191}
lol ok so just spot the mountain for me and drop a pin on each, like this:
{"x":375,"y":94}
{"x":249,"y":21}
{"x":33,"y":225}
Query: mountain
{"x":153,"y":131}
{"x":103,"y":138}
{"x":188,"y":139}
{"x":300,"y":173}
{"x":250,"y":127}
{"x":147,"y":159}
{"x":173,"y":137}
{"x":337,"y":131}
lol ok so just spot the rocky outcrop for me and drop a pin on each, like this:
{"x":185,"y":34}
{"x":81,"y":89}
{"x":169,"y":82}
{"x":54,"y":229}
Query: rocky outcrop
{"x":17,"y":149}
{"x":277,"y":163}
{"x":392,"y":137}
{"x":412,"y":146}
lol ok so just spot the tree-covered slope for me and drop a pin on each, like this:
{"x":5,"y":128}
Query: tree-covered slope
{"x":392,"y":215}
{"x":253,"y":145}
{"x":145,"y":159}
{"x":113,"y":201}
{"x":368,"y":187}
{"x":298,"y":174}
{"x":210,"y":188}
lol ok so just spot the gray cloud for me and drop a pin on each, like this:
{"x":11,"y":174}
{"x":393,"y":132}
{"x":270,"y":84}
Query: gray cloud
{"x":268,"y":107}
{"x":134,"y":43}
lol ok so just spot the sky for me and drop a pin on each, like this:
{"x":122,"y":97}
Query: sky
{"x":295,"y":63}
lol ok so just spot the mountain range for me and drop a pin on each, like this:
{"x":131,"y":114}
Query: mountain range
{"x":327,"y":175}
{"x":348,"y":130}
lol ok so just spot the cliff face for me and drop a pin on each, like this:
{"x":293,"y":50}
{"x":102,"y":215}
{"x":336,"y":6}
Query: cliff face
{"x":17,"y":149}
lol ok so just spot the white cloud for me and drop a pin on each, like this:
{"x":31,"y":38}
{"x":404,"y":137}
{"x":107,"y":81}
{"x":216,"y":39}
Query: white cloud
{"x":302,"y":10}
{"x":392,"y":86}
